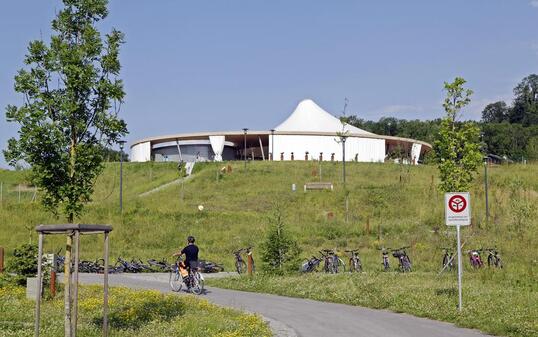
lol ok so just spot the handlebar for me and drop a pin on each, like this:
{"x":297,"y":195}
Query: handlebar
{"x":351,"y":251}
{"x":402,"y":248}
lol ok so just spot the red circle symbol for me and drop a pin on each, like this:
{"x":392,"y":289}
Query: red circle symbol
{"x":457,"y":203}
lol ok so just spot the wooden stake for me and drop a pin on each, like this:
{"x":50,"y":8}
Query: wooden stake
{"x":368,"y":225}
{"x":67,"y":282}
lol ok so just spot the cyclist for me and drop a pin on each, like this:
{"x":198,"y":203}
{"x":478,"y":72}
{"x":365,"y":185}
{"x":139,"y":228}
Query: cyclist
{"x":191,"y":254}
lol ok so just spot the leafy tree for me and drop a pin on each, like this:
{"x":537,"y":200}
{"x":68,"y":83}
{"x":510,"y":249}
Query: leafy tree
{"x":497,"y":112}
{"x":525,"y":109}
{"x":279,"y":250}
{"x":72,"y":96}
{"x":457,"y":147}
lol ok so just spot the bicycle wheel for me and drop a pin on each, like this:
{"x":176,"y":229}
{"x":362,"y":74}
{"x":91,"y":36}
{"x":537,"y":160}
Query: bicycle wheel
{"x":386,"y":265}
{"x":240,"y":267}
{"x":197,"y":283}
{"x":447,"y":264}
{"x":352,"y":265}
{"x":175,"y":280}
{"x":490,"y":261}
{"x":358,"y":265}
{"x":406,"y":264}
{"x":340,"y":265}
{"x":498,"y":263}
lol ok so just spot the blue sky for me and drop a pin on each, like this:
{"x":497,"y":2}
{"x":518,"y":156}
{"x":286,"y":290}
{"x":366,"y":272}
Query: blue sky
{"x":225,"y":65}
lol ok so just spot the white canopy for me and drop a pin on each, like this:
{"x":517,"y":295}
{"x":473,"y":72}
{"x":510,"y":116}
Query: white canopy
{"x":310,"y":117}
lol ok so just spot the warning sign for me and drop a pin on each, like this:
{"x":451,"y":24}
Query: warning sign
{"x":458,"y":209}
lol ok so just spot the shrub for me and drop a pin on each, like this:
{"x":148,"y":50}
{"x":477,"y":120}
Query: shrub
{"x":23,"y":263}
{"x":279,"y":250}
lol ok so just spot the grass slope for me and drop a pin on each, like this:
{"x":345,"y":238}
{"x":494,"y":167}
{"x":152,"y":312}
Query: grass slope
{"x":401,"y":204}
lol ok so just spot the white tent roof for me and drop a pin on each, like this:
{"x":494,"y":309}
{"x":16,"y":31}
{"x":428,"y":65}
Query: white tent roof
{"x":308,"y":116}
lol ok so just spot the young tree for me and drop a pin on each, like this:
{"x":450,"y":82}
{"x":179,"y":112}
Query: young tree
{"x":457,"y":148}
{"x":72,"y":96}
{"x":279,"y":250}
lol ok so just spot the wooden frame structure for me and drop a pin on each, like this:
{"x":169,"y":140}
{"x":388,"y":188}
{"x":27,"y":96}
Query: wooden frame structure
{"x":72,"y":231}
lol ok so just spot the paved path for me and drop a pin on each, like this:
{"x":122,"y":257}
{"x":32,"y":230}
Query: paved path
{"x":306,"y":318}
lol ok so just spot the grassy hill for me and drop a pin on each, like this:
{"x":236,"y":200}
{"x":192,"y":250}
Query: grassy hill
{"x":401,"y":204}
{"x":402,"y":201}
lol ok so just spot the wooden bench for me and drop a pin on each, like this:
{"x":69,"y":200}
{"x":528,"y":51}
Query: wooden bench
{"x":318,"y":186}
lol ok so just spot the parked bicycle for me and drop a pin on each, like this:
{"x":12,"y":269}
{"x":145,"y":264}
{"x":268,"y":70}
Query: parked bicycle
{"x":240,"y":264}
{"x":475,"y":259}
{"x":385,"y":258}
{"x":332,"y":263}
{"x":494,"y":258}
{"x":448,"y":259}
{"x":310,"y":265}
{"x":403,"y":259}
{"x":355,"y":264}
{"x":180,"y":275}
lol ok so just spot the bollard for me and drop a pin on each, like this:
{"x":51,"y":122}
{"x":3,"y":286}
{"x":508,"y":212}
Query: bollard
{"x":250,"y":263}
{"x":1,"y":259}
{"x":53,"y":283}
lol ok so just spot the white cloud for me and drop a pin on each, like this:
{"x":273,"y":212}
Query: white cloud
{"x":534,"y":3}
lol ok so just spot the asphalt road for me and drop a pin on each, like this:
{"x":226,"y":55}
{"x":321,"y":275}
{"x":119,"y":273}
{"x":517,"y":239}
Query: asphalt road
{"x":290,"y":317}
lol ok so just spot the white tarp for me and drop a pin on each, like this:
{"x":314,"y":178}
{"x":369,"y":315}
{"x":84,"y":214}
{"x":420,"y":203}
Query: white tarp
{"x":308,"y":116}
{"x":415,"y":153}
{"x":217,"y":144}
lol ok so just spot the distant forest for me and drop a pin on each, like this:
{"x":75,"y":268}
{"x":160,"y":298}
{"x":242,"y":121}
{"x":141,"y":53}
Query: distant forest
{"x":507,"y":130}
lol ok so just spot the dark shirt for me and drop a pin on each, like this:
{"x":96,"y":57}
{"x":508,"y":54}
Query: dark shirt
{"x":191,"y":254}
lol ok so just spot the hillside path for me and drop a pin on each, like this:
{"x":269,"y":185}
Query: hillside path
{"x":290,"y":317}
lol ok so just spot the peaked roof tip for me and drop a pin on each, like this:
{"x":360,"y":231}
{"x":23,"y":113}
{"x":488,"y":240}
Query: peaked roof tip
{"x":309,"y":116}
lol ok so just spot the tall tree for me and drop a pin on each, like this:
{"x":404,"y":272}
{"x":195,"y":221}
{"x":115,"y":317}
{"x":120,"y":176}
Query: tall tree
{"x":457,"y":148}
{"x":525,"y":109}
{"x":72,"y":97}
{"x":497,"y":112}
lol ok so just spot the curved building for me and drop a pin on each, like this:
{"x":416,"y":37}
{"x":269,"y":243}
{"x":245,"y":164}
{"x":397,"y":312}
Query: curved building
{"x":309,"y":133}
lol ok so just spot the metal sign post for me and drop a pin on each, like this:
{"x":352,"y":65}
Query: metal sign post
{"x":458,"y":213}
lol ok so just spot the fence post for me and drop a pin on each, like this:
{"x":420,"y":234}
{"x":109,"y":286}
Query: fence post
{"x":1,"y":259}
{"x":53,"y":283}
{"x":250,"y":263}
{"x":368,"y":225}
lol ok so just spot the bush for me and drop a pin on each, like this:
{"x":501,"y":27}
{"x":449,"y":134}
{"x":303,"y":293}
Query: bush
{"x":23,"y":263}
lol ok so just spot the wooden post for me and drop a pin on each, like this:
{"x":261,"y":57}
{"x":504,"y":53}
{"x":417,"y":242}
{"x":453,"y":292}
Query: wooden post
{"x":368,"y":225}
{"x":379,"y":231}
{"x":39,"y":285}
{"x":53,"y":283}
{"x":250,"y":263}
{"x":1,"y":259}
{"x":67,"y":289}
{"x":1,"y":191}
{"x":105,"y":289}
{"x":75,"y":285}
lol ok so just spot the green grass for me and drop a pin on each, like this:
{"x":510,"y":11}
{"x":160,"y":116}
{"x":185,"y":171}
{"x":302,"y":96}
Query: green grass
{"x":237,"y":206}
{"x":132,"y":313}
{"x":492,"y":302}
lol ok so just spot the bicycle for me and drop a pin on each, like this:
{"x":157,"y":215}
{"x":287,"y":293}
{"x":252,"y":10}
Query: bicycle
{"x":403,"y":259}
{"x":179,"y":276}
{"x":240,"y":264}
{"x":385,"y":258}
{"x":448,"y":259}
{"x":475,"y":259}
{"x":310,"y":265}
{"x":332,"y":262}
{"x":494,"y":259}
{"x":355,"y":264}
